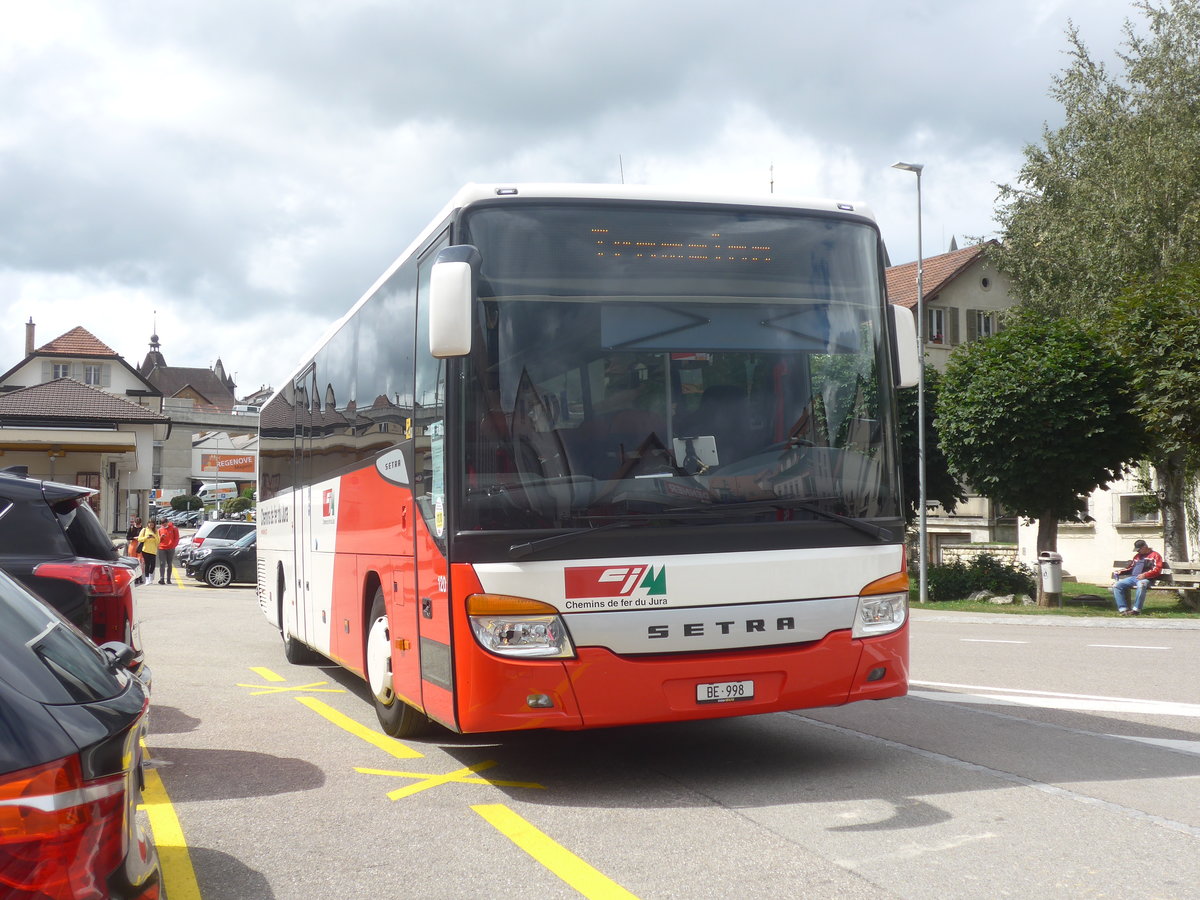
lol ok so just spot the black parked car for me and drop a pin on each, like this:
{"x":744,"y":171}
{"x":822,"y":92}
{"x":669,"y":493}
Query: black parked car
{"x":213,"y":533}
{"x":71,"y":720}
{"x":52,"y":542}
{"x":219,"y":566}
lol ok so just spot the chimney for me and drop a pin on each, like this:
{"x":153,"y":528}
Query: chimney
{"x":29,"y":337}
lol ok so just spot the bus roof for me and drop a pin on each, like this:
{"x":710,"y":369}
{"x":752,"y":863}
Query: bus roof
{"x":474,"y":193}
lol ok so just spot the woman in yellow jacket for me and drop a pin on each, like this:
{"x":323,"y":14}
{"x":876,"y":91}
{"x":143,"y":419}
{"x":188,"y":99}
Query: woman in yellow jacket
{"x":148,"y":538}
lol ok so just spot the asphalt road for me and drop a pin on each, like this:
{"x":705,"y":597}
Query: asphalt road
{"x":1031,"y":760}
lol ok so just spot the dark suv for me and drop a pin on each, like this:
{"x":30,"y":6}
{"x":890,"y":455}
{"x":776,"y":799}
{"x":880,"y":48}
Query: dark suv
{"x":71,"y":722}
{"x":52,"y":542}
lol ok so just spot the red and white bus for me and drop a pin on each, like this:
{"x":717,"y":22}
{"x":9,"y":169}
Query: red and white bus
{"x":597,"y":455}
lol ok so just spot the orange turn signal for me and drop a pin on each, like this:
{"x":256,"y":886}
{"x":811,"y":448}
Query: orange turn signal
{"x":896,"y":583}
{"x":503,"y":605}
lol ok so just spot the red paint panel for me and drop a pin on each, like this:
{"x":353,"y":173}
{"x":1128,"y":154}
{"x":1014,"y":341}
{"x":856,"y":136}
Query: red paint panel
{"x":499,"y":688}
{"x":615,"y":690}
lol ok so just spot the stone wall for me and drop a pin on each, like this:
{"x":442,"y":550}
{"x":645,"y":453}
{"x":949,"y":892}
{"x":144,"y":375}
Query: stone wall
{"x":1006,"y":553}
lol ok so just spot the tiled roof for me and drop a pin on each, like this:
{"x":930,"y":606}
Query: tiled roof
{"x":77,"y":342}
{"x":938,"y":271}
{"x":66,"y":398}
{"x":172,"y":380}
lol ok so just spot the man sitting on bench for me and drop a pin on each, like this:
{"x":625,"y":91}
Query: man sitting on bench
{"x":1145,"y":566}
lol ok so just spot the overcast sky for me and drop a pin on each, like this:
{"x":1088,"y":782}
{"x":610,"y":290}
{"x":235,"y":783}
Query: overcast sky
{"x":247,"y":169}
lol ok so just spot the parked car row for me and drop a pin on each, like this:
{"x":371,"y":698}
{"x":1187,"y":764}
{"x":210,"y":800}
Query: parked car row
{"x":72,"y":714}
{"x":184,"y":518}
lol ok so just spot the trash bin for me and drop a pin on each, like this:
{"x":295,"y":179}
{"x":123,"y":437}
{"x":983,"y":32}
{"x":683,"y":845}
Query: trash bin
{"x":1051,"y":565}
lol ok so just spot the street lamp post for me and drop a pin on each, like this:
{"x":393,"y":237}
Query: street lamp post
{"x":922,"y":530}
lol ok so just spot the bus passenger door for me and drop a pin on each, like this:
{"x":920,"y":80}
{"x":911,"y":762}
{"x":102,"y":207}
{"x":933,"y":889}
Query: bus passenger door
{"x":301,"y":589}
{"x":431,"y":526}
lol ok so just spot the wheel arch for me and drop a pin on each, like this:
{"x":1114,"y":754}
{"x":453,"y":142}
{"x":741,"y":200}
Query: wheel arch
{"x":371,"y":583}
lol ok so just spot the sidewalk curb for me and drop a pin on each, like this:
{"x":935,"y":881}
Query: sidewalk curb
{"x":919,"y":614}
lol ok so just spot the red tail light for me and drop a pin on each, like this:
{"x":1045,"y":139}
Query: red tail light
{"x":100,"y":579}
{"x":60,"y":836}
{"x":109,"y":588}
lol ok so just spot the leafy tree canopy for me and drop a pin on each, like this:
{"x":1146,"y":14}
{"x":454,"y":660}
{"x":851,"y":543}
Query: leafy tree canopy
{"x":1113,"y":195}
{"x":1155,"y":325}
{"x":1037,"y":417}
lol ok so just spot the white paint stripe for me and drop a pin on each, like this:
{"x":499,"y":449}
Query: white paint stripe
{"x":1129,"y":647}
{"x":1127,"y":707}
{"x":1192,"y":747}
{"x":984,"y":641}
{"x":1051,"y":700}
{"x":991,"y":689}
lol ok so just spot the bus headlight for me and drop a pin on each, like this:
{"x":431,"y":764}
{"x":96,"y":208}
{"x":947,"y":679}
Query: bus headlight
{"x":880,"y":615}
{"x":882,"y":606}
{"x":518,"y":627}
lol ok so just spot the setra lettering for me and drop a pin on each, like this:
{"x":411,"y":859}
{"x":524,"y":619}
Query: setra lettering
{"x":749,"y":626}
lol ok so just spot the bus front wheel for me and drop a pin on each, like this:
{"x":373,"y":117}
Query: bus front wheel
{"x":396,"y":717}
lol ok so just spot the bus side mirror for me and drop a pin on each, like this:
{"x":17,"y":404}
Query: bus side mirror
{"x":907,"y":363}
{"x":451,"y":296}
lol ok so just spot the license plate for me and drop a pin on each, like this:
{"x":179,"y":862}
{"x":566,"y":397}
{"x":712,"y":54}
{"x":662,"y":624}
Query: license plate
{"x":724,"y":691}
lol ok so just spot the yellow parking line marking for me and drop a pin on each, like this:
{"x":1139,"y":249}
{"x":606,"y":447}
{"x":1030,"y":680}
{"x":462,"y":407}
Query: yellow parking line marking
{"x":558,"y":859}
{"x":378,"y":739}
{"x":266,"y":674}
{"x":428,"y":780}
{"x":313,"y":687}
{"x":179,"y":877}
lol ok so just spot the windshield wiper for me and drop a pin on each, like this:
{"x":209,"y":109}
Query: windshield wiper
{"x":564,"y":537}
{"x":624,"y":520}
{"x":707,"y":513}
{"x":868,"y":528}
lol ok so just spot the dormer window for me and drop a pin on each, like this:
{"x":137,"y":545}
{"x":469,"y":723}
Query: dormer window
{"x":60,"y":370}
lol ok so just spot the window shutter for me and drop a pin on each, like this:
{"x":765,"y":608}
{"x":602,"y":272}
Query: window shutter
{"x":47,"y":372}
{"x":106,"y":375}
{"x":952,"y":325}
{"x":972,"y":324}
{"x":76,"y":371}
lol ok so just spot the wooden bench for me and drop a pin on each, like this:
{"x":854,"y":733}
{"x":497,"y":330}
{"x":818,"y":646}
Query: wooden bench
{"x":1181,"y":579}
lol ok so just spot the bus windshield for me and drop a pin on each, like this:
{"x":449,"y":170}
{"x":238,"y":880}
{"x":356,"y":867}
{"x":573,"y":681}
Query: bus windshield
{"x":674,"y":364}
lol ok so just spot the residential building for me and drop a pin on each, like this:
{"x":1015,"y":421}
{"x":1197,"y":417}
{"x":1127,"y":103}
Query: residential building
{"x":74,"y":410}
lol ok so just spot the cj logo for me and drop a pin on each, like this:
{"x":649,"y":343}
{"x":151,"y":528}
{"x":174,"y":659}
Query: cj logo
{"x":584,"y":582}
{"x":327,"y":508}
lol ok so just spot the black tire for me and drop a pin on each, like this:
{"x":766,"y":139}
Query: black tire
{"x":218,"y":575}
{"x":395,"y":716}
{"x":299,"y":654}
{"x":295,"y":652}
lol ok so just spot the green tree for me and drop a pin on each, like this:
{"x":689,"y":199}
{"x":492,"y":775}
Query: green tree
{"x":1111,"y":200}
{"x":940,"y":484}
{"x":1112,"y":196}
{"x":1155,"y":326}
{"x":1037,"y":417}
